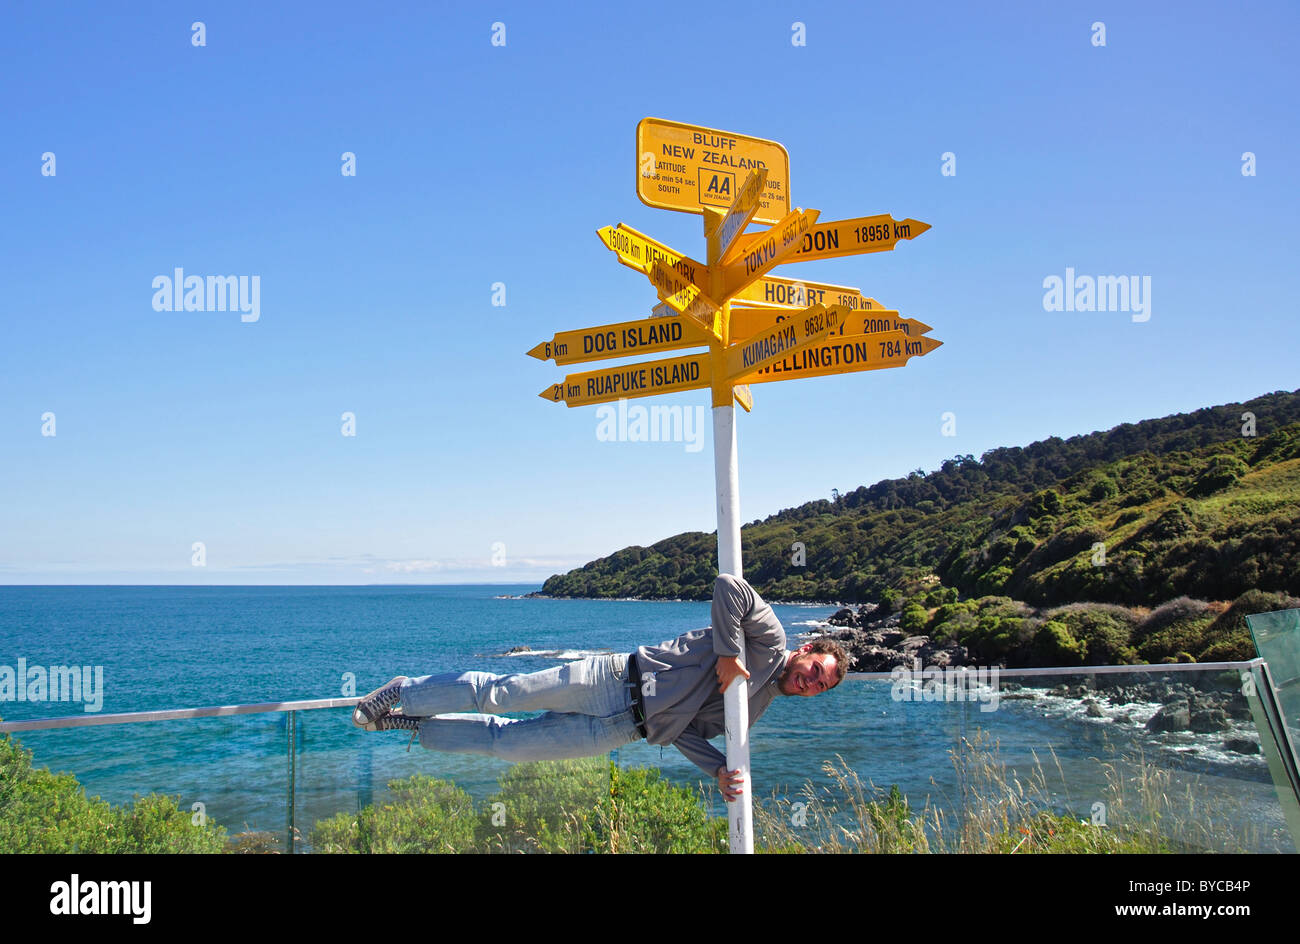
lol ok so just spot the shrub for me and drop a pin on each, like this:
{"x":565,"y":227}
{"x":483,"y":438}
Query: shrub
{"x":43,"y":812}
{"x":1222,"y":472}
{"x":645,"y":813}
{"x":544,"y":806}
{"x":425,"y":815}
{"x":1104,"y":629}
{"x":1103,"y":489}
{"x":1180,"y":626}
{"x":914,"y":619}
{"x":1054,"y":645}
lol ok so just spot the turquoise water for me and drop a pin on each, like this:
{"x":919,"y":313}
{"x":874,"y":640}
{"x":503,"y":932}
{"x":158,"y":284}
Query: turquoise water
{"x":181,"y":647}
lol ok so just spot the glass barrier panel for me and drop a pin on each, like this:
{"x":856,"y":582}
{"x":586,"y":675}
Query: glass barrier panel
{"x":230,"y":771}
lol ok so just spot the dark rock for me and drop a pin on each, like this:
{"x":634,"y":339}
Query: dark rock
{"x":1241,"y":746}
{"x":1172,"y":717}
{"x":1210,"y":719}
{"x":516,"y":649}
{"x":844,"y":617}
{"x":1093,"y":710}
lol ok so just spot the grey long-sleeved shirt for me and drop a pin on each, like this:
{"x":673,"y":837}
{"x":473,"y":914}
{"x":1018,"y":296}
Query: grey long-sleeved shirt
{"x":679,"y":686}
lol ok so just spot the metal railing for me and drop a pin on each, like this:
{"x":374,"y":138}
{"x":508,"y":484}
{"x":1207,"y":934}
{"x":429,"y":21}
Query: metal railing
{"x":340,"y":766}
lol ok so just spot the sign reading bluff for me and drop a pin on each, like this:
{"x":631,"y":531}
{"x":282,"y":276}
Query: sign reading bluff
{"x":686,"y":168}
{"x":635,"y":380}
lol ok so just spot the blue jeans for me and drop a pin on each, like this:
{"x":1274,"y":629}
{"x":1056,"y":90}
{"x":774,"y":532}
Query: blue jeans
{"x":587,"y":705}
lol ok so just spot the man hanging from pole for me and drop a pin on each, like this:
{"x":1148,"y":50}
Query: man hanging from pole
{"x":670,"y":693}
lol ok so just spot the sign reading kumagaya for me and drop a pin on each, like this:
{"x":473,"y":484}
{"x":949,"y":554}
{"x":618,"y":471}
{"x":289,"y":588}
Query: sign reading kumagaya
{"x":749,"y":322}
{"x":688,"y":167}
{"x":624,"y":339}
{"x":845,"y":355}
{"x":781,"y":340}
{"x":646,"y":379}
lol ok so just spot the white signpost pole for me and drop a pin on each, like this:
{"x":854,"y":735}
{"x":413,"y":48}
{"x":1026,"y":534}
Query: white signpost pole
{"x":740,"y":813}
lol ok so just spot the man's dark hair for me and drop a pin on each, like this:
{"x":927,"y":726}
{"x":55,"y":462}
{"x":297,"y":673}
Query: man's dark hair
{"x":824,"y":644}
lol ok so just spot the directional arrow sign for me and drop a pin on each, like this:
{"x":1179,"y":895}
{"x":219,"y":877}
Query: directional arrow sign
{"x":772,"y":292}
{"x":849,"y":237}
{"x":749,"y":322}
{"x":670,"y":375}
{"x":770,"y":249}
{"x":687,"y":167}
{"x":845,"y":355}
{"x":686,"y":297}
{"x":740,"y":212}
{"x":639,"y":251}
{"x":780,"y":341}
{"x":622,"y":340}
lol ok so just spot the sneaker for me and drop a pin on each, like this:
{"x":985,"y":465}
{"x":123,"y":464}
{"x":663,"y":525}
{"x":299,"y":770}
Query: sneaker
{"x":394,"y":723}
{"x":378,"y":704}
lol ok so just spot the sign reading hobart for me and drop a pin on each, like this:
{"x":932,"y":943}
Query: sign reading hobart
{"x":687,"y":167}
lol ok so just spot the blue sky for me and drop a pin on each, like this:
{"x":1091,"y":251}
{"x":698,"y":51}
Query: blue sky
{"x":478,"y":164}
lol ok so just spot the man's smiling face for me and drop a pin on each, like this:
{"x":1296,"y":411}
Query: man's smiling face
{"x":808,"y":673}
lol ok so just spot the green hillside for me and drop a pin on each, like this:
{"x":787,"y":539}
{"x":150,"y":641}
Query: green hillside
{"x":1185,"y":505}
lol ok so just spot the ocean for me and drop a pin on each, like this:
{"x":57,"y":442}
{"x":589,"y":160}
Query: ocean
{"x":185,"y":647}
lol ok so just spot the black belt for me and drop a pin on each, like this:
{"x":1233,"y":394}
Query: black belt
{"x":638,"y":706}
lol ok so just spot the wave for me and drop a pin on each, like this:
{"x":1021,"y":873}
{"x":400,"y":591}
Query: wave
{"x":563,"y":655}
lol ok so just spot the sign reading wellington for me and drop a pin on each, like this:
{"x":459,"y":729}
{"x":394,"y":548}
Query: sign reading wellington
{"x":686,"y":167}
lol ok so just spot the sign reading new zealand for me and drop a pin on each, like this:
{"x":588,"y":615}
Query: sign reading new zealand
{"x":686,"y":167}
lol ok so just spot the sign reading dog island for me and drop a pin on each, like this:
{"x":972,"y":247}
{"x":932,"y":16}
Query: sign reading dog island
{"x":780,"y":329}
{"x":686,"y":167}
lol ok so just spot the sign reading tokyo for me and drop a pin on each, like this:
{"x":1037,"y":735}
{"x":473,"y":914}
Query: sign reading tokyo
{"x":687,"y":167}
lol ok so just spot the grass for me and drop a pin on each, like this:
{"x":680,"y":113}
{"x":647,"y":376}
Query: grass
{"x":1000,"y":813}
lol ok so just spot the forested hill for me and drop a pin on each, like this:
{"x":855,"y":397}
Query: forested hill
{"x":1203,"y":504}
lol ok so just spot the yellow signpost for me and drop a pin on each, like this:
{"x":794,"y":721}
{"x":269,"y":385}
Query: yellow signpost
{"x":747,"y":322}
{"x":623,"y":339}
{"x":780,"y":341}
{"x":638,"y":251}
{"x":767,"y":250}
{"x":669,"y":375}
{"x":780,"y":329}
{"x":773,"y":292}
{"x":687,"y":167}
{"x":849,"y":237}
{"x":741,"y":212}
{"x":845,"y":354}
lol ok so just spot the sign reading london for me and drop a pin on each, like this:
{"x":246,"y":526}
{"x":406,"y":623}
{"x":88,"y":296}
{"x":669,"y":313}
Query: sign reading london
{"x":686,"y":167}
